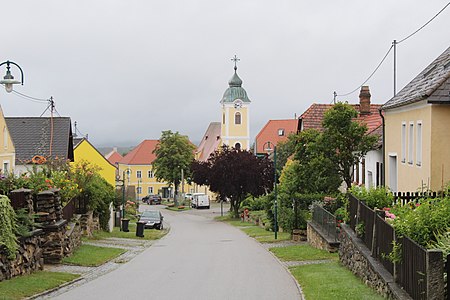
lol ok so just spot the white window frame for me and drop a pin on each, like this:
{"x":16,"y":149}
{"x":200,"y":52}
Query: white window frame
{"x":139,"y":174}
{"x":150,"y":174}
{"x":419,"y":142}
{"x":150,"y":190}
{"x":411,"y":143}
{"x":139,"y":190}
{"x":403,"y":160}
{"x":281,"y":132}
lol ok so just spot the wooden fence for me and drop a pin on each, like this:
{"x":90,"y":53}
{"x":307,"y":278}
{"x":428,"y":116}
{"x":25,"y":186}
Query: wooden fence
{"x":407,"y":197}
{"x":379,"y":236}
{"x":74,"y":206}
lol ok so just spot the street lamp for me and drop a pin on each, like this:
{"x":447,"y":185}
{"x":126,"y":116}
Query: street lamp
{"x":268,"y":147}
{"x":8,"y":79}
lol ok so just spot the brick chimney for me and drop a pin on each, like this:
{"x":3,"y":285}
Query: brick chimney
{"x":364,"y":100}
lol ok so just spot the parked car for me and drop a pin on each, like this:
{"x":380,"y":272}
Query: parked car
{"x":152,"y":199}
{"x":152,"y":218}
{"x":188,"y":196}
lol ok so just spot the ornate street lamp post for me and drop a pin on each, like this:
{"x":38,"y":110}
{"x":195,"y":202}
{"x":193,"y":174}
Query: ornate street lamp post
{"x":8,"y":79}
{"x":268,"y":147}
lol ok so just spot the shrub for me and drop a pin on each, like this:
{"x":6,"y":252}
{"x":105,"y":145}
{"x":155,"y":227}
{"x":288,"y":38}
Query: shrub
{"x":8,"y":226}
{"x":374,"y":197}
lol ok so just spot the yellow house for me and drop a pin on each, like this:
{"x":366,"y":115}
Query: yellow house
{"x":7,"y":150}
{"x":138,"y":171}
{"x":235,"y":129}
{"x":417,"y":131}
{"x":84,"y":150}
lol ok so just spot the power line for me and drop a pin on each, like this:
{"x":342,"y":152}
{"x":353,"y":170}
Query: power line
{"x":368,"y":78}
{"x":29,"y":97}
{"x":420,"y":28}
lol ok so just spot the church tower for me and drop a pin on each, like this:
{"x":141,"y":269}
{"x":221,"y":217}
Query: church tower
{"x":235,"y":121}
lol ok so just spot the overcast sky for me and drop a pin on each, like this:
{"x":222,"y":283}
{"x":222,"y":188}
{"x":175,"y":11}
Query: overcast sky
{"x":127,"y":70}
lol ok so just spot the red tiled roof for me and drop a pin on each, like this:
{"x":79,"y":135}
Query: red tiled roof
{"x":210,"y":141}
{"x":269,"y":133}
{"x":142,"y":154}
{"x":113,"y":157}
{"x":313,"y":116}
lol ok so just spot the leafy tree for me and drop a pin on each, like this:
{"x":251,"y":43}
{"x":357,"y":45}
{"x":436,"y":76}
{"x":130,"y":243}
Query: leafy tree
{"x":285,"y":149}
{"x":173,"y":153}
{"x":234,"y":174}
{"x":346,"y":139}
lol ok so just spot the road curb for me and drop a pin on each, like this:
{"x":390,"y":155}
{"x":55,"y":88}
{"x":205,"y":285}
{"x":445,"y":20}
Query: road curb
{"x":44,"y":293}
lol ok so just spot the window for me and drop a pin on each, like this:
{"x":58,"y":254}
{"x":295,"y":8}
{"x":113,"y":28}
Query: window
{"x":237,"y":118}
{"x":150,"y":174}
{"x":150,"y":190}
{"x":280,"y":132}
{"x":139,"y":190}
{"x":411,"y":143}
{"x":237,"y":146}
{"x":223,"y":118}
{"x":5,"y":168}
{"x":5,"y":137}
{"x":138,"y":174}
{"x":419,"y":144}
{"x":403,"y":142}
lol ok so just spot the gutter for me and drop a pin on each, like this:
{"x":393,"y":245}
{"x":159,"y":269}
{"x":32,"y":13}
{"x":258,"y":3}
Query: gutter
{"x":383,"y":172}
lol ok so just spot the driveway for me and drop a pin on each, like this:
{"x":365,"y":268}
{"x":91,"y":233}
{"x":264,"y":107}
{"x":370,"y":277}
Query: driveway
{"x":199,"y":259}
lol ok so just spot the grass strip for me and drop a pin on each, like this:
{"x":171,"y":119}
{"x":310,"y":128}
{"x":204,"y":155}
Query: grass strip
{"x":331,"y":281}
{"x":28,"y":285}
{"x":92,"y":256}
{"x":149,"y":234}
{"x":302,"y":253}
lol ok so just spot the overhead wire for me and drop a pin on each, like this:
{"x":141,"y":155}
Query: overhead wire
{"x":387,"y":53}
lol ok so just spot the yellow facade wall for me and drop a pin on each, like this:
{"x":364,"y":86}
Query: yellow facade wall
{"x":7,"y":150}
{"x":85,"y":151}
{"x":440,"y":146}
{"x":413,"y":174}
{"x":142,"y":176}
{"x":237,"y":133}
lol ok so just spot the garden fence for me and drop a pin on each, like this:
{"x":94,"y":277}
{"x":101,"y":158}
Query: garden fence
{"x":379,"y":236}
{"x":407,"y":197}
{"x":326,"y":220}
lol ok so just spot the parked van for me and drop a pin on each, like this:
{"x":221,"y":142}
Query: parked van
{"x":199,"y":200}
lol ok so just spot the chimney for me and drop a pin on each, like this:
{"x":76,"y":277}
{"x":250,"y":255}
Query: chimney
{"x":364,"y":100}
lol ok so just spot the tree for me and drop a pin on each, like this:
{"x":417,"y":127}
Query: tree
{"x":234,"y":174}
{"x":346,"y":139}
{"x":174,"y":155}
{"x":285,"y":149}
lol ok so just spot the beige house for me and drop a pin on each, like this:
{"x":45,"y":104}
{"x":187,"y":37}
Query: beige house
{"x":417,"y":131}
{"x":7,"y":150}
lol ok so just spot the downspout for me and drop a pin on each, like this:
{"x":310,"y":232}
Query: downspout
{"x":383,"y":143}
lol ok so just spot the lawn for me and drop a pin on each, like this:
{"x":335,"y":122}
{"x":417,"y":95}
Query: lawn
{"x":92,"y":256}
{"x":28,"y":285}
{"x":302,"y":253}
{"x":331,"y":281}
{"x":264,"y":236}
{"x":149,"y":234}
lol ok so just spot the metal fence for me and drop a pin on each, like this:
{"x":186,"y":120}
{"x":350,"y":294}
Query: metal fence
{"x":367,"y":219}
{"x":326,"y":220}
{"x":385,"y":235}
{"x":353,"y":211}
{"x":412,"y":269}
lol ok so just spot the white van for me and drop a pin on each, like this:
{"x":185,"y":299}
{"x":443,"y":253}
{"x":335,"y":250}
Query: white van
{"x":200,"y":200}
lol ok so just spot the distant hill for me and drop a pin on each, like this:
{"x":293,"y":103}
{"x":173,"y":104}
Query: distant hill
{"x":122,"y":150}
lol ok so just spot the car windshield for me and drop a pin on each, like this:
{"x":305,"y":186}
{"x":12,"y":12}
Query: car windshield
{"x":150,"y":214}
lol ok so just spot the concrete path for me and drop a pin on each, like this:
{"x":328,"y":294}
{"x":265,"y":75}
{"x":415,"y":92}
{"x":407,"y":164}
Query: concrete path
{"x":199,"y":259}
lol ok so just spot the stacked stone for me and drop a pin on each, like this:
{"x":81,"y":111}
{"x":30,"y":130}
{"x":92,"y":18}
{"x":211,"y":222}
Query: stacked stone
{"x":28,"y":258}
{"x":45,"y":206}
{"x":58,"y":204}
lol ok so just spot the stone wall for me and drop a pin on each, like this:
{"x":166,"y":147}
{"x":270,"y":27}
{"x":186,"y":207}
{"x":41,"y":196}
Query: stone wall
{"x":318,"y":240}
{"x":354,"y":255}
{"x":28,"y":258}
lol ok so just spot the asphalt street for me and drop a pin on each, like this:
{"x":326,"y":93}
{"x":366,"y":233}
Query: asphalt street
{"x":199,"y":259}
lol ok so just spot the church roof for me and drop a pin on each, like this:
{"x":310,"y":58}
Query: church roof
{"x":235,"y":90}
{"x":210,"y":141}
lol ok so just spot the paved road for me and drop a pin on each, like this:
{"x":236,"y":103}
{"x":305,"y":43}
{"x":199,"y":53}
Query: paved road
{"x":199,"y":259}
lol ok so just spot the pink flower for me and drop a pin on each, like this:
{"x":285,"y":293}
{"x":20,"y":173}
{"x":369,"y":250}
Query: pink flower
{"x":417,"y":204}
{"x":389,"y":215}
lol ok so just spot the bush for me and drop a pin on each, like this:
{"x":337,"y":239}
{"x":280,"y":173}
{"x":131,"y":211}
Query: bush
{"x":8,"y":227}
{"x":379,"y":197}
{"x":253,"y":204}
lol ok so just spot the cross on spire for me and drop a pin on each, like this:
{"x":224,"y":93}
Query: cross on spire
{"x":235,"y":59}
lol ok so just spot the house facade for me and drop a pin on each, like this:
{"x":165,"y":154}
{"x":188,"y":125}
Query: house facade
{"x":7,"y":149}
{"x":417,"y":135}
{"x":84,"y":150}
